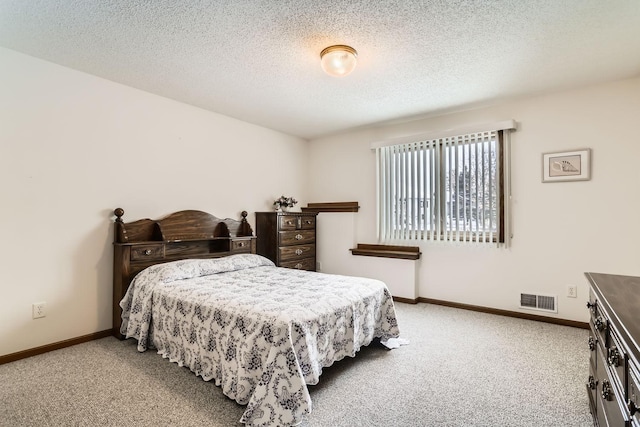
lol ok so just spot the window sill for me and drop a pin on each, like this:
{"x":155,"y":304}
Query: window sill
{"x":387,"y":251}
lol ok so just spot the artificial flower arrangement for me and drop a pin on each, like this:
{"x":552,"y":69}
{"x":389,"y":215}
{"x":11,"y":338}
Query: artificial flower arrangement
{"x":284,"y":202}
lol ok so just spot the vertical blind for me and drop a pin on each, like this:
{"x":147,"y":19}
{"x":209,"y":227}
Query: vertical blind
{"x":450,"y":188}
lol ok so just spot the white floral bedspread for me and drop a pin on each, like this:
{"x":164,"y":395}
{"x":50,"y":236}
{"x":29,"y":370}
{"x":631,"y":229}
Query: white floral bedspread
{"x":262,"y":333}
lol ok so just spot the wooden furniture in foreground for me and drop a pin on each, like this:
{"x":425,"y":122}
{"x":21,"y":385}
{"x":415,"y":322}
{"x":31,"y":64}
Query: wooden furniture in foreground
{"x":614,"y":372}
{"x":288,"y":238}
{"x":180,"y":235}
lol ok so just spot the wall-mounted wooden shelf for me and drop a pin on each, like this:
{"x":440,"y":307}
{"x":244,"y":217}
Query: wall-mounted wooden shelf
{"x":387,"y":251}
{"x":332,"y":207}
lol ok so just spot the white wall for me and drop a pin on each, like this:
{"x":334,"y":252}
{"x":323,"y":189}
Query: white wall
{"x":72,"y":148}
{"x":561,"y":230}
{"x":336,"y":235}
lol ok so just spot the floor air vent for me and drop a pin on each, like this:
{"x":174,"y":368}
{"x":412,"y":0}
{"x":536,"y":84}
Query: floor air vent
{"x":539,"y":302}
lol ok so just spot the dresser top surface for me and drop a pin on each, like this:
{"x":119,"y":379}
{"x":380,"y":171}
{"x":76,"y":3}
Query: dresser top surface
{"x":283,"y":213}
{"x":622,"y":295}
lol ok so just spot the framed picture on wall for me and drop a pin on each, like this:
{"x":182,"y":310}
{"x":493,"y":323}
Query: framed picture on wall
{"x":566,"y":166}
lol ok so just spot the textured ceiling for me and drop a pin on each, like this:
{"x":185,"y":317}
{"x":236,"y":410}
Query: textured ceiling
{"x":258,"y":60}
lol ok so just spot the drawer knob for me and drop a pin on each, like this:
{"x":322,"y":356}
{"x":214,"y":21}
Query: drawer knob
{"x":240,"y":244}
{"x":289,"y":222}
{"x":592,"y":344}
{"x":147,"y":252}
{"x":299,"y":251}
{"x":298,"y":266}
{"x":298,"y":236}
{"x":592,"y":383}
{"x":614,"y":357}
{"x":308,"y":221}
{"x":599,"y":323}
{"x":607,"y":392}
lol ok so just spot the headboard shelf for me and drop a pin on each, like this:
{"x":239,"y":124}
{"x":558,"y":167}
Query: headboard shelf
{"x":180,"y":235}
{"x":203,"y":239}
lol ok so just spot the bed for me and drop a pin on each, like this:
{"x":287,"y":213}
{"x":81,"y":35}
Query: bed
{"x":191,"y":286}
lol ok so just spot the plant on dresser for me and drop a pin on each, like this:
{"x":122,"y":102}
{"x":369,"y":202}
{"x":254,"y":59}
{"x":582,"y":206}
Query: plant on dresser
{"x":284,"y":202}
{"x":287,"y":238}
{"x":613,"y":385}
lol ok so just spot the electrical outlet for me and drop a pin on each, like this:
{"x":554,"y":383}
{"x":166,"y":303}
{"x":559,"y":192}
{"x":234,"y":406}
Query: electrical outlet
{"x":572,"y":291}
{"x":39,"y":309}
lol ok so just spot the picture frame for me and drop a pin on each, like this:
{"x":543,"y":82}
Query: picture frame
{"x":562,"y":166}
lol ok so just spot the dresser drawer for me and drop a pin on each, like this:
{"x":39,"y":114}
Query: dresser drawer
{"x":296,"y":252}
{"x":592,"y":388}
{"x":633,"y":402}
{"x":241,"y":246}
{"x":297,"y":222}
{"x":308,"y":222}
{"x":296,"y":237}
{"x":599,"y":320}
{"x":288,"y":222}
{"x":303,"y":264}
{"x":617,"y":359}
{"x":147,"y":252}
{"x":593,"y":346}
{"x":610,"y":407}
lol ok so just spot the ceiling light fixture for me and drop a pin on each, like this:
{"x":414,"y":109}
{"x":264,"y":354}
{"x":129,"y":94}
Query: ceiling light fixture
{"x":338,"y":60}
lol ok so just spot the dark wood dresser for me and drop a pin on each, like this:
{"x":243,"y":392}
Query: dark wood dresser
{"x":287,"y":238}
{"x":614,"y":374}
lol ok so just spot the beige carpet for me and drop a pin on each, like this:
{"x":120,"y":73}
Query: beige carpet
{"x":461,"y":368}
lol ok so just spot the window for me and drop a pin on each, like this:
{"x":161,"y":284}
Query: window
{"x":450,"y":188}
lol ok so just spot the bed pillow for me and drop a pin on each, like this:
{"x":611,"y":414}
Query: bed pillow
{"x":190,"y":268}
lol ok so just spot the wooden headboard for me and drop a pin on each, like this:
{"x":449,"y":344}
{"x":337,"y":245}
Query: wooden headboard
{"x":180,"y":235}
